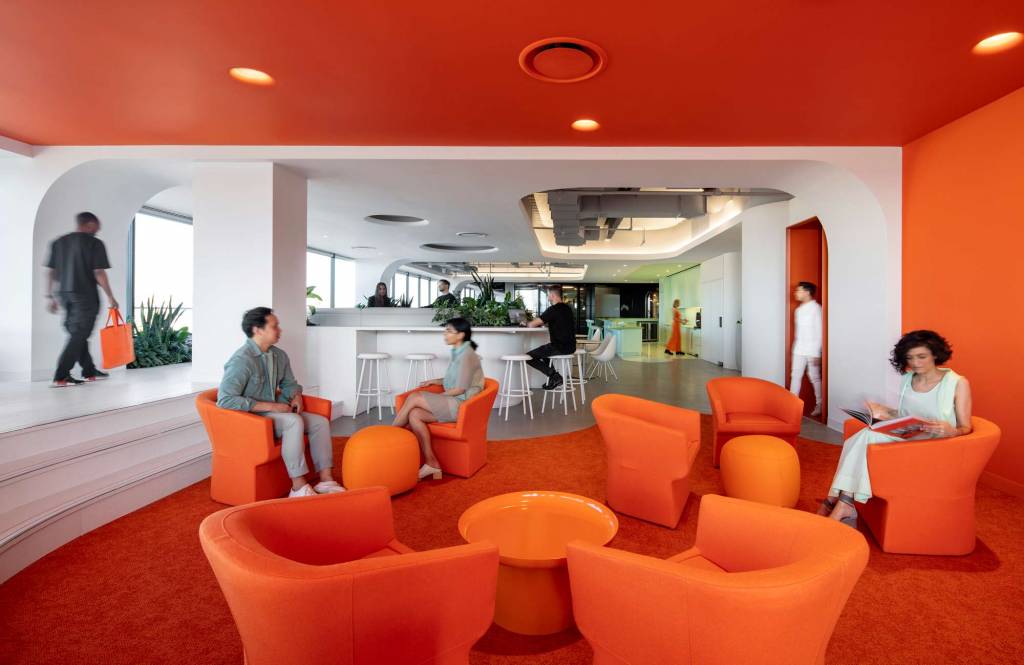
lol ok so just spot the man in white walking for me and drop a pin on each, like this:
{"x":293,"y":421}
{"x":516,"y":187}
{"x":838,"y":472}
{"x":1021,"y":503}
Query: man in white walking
{"x":807,"y":342}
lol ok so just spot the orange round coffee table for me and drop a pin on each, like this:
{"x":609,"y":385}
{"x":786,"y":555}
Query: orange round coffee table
{"x":531,"y":530}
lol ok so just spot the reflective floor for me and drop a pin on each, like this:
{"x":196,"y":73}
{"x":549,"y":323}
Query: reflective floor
{"x":678,"y":380}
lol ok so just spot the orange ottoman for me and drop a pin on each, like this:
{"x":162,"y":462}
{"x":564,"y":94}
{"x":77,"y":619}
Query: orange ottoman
{"x":381,"y":455}
{"x":761,"y":468}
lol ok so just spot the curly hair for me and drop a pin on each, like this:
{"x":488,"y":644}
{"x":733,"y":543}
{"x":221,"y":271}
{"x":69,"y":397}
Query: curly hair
{"x":930,"y":339}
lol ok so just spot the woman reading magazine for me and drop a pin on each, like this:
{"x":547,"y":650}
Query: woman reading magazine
{"x":938,"y":396}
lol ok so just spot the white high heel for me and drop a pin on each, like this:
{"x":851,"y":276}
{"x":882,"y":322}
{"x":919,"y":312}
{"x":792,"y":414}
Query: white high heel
{"x":427,"y":471}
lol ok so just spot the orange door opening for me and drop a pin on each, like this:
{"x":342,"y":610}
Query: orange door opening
{"x":807,"y":261}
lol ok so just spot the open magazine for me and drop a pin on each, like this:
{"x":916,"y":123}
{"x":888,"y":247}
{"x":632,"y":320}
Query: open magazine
{"x":904,"y":427}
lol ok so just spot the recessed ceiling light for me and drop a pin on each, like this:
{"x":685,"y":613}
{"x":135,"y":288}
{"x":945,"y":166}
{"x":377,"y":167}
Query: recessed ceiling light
{"x":468,"y":249}
{"x":585,"y":125}
{"x":997,"y":43}
{"x":362,"y":247}
{"x":251,"y":76}
{"x":471,"y":234}
{"x":396,"y":220}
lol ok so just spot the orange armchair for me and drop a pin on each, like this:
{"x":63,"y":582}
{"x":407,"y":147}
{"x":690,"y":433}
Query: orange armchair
{"x":651,"y":447}
{"x":461,"y":447}
{"x":923,"y":491}
{"x":742,"y":405}
{"x":323,"y":577}
{"x":762,"y":584}
{"x":247,"y":464}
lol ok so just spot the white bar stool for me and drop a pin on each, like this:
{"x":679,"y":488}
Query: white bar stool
{"x":515,"y":365}
{"x":421,"y":368}
{"x":562,"y":365}
{"x":374,"y":388}
{"x":580,"y":379}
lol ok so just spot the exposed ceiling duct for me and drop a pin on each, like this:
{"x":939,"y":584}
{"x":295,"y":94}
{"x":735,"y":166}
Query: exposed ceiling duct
{"x":583,"y":215}
{"x":579,"y":215}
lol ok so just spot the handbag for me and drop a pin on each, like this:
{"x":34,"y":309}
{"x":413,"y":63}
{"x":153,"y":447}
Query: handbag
{"x":116,"y":341}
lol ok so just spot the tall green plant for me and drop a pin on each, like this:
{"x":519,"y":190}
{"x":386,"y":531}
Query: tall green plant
{"x":485,"y":284}
{"x":157,"y":341}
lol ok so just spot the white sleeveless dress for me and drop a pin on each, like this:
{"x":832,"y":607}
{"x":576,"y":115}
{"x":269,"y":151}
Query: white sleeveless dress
{"x":936,"y":404}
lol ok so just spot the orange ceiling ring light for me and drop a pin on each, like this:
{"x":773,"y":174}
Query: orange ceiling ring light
{"x":251,"y":76}
{"x":998,"y":43}
{"x":563,"y":60}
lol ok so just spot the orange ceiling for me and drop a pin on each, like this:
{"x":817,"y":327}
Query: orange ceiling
{"x":414,"y":72}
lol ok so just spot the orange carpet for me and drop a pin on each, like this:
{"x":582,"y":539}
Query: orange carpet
{"x":139,"y":590}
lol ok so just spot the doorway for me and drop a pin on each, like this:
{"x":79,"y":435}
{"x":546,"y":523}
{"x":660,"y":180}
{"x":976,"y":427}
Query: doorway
{"x":807,"y":261}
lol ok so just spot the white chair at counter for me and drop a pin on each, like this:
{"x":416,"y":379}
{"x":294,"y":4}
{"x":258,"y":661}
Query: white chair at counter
{"x":375,"y":387}
{"x":562,"y":365}
{"x":515,"y":365}
{"x":602,"y":358}
{"x":421,"y":368}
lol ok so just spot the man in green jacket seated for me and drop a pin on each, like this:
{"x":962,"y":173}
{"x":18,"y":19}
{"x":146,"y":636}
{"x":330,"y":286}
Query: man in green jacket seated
{"x":258,"y":378}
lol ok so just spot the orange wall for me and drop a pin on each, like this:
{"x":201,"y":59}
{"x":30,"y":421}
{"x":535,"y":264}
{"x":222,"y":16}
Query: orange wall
{"x":963,"y":261}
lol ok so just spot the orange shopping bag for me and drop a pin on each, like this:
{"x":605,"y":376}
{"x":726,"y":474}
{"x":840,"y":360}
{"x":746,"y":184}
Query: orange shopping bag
{"x":116,"y":341}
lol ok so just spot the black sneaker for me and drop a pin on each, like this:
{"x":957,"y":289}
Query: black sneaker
{"x":96,"y":376}
{"x":553,"y":382}
{"x":69,"y":382}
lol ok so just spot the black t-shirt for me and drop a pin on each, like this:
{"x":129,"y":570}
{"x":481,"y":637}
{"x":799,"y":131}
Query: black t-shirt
{"x":561,"y":326}
{"x":74,"y":257}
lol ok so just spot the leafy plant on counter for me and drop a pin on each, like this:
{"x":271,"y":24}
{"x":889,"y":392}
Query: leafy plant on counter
{"x":485,"y":284}
{"x":482,"y":313}
{"x":311,"y":294}
{"x":157,"y":341}
{"x":404,"y":301}
{"x":369,"y":301}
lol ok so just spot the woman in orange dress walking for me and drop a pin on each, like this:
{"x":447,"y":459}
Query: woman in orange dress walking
{"x":674,"y":340}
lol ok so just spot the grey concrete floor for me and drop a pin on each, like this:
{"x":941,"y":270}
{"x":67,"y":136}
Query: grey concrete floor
{"x":679,"y":382}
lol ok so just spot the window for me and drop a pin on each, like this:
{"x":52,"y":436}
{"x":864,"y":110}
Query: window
{"x":401,"y":284}
{"x":426,"y":291}
{"x":162,"y":264}
{"x":344,"y":294}
{"x":318,"y":275}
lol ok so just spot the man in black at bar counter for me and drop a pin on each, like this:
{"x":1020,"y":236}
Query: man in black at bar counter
{"x":561,"y":323}
{"x":77,"y":264}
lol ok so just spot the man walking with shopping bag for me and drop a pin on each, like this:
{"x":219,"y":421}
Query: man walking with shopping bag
{"x":77,"y":264}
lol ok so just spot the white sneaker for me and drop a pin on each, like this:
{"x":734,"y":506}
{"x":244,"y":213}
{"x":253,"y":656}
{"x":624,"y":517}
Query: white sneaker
{"x":328,"y":487}
{"x":817,"y":410}
{"x":305,"y":490}
{"x":427,"y":471}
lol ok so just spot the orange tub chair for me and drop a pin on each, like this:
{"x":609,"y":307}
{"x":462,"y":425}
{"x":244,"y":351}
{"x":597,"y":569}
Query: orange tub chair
{"x":651,"y":447}
{"x":323,"y":580}
{"x":742,"y":405}
{"x":923,"y":491}
{"x":247,"y":464}
{"x":762,"y":585}
{"x":461,"y":447}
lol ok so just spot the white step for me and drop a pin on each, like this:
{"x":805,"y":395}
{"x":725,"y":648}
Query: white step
{"x":62,"y":479}
{"x":29,"y":446}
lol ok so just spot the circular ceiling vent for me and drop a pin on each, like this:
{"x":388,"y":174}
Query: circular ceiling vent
{"x":562,"y":60}
{"x":396,"y":220}
{"x":467,"y":249}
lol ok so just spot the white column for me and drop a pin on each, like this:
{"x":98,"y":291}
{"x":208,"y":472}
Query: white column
{"x":250,"y":251}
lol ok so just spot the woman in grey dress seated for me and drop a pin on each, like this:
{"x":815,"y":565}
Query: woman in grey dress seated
{"x":463,"y":379}
{"x":937,"y":395}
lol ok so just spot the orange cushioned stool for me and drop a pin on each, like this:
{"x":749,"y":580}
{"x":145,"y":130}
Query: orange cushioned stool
{"x":381,"y":455}
{"x":761,"y":468}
